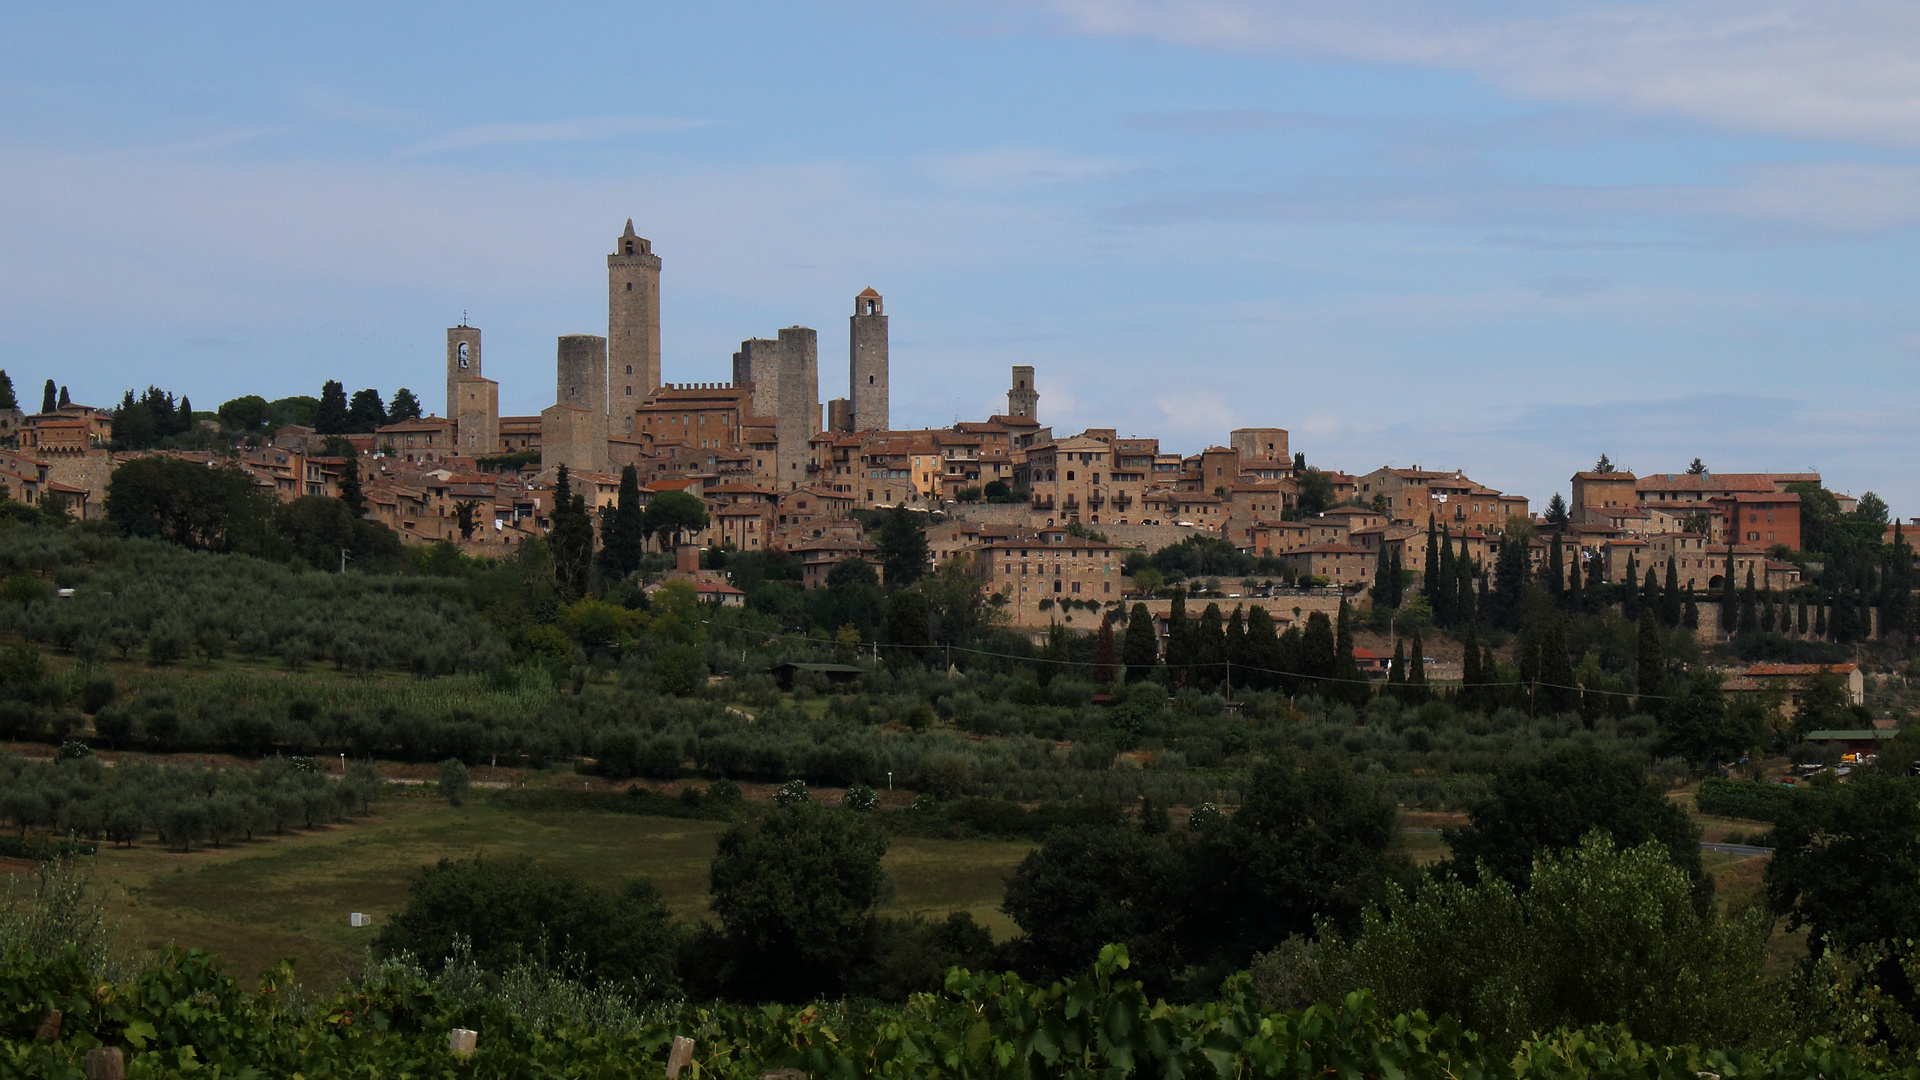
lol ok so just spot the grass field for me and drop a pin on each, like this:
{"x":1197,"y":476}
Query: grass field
{"x":256,"y":903}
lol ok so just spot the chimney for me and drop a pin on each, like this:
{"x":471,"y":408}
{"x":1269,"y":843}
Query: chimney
{"x":686,"y":558}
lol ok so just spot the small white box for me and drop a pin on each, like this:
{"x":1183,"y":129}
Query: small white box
{"x":357,"y":919}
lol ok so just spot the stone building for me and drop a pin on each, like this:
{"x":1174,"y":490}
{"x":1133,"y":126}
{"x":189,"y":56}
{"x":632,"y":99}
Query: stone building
{"x":867,"y":363}
{"x":784,"y":376}
{"x":573,"y":431}
{"x":1022,"y":399}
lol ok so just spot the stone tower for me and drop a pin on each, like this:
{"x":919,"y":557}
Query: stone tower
{"x":574,"y":429}
{"x":633,"y":320}
{"x":463,"y":362}
{"x":785,"y":377}
{"x":1022,"y":398}
{"x":867,"y":363}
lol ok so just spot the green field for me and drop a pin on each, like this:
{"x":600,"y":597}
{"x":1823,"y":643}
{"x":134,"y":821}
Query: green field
{"x":289,"y":896}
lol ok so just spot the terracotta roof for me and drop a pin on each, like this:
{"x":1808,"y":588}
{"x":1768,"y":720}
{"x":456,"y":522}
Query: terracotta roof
{"x":1767,"y":671}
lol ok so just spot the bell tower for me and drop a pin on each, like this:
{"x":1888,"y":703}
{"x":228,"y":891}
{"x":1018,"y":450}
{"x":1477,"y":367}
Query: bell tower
{"x":867,"y":363}
{"x":1022,"y":398}
{"x":463,"y":362}
{"x":633,"y":321}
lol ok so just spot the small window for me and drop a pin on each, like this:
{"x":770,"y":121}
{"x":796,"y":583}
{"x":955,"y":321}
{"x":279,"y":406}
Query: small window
{"x":629,"y":284}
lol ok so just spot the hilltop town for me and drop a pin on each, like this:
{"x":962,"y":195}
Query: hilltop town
{"x":1046,"y":518}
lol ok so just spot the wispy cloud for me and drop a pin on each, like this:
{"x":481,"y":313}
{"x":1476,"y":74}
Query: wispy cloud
{"x":586,"y":129}
{"x":1018,"y":166}
{"x":1822,"y":69}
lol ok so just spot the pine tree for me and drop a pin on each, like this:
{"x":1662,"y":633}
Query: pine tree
{"x":350,"y":492}
{"x":366,"y":412}
{"x":1557,"y":511}
{"x":1141,"y":648}
{"x":405,"y":407}
{"x":331,"y":416}
{"x":50,"y":398}
{"x":7,"y":399}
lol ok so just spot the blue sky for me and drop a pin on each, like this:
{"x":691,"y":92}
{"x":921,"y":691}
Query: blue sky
{"x":1499,"y":237}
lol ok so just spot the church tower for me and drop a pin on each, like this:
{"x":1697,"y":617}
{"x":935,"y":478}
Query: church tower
{"x":1022,"y":398}
{"x":867,"y":363}
{"x":633,"y":321}
{"x":463,"y":362}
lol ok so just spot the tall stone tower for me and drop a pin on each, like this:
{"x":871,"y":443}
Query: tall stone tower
{"x":573,"y":430}
{"x":633,"y":319}
{"x":867,"y":363}
{"x":785,"y":376}
{"x":463,"y":362}
{"x":1022,"y":398}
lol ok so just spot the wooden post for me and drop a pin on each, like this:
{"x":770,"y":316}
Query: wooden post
{"x":106,"y":1063}
{"x":680,"y":1057}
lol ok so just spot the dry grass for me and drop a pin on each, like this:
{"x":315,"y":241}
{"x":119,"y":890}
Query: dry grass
{"x":254,"y":904}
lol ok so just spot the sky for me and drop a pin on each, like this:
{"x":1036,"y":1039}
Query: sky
{"x":1499,"y":237}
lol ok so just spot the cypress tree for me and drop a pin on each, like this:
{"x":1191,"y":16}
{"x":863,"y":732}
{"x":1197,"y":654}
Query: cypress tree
{"x":1382,"y":567}
{"x":1690,"y":615}
{"x":1417,"y":674}
{"x":1650,"y":655}
{"x":627,"y":538}
{"x":1749,"y":616}
{"x":1397,"y":674}
{"x":1557,"y":693}
{"x":1105,"y":655}
{"x":1630,"y":590}
{"x":1820,"y":620}
{"x":1141,"y":648}
{"x":1729,"y":602}
{"x":1317,"y":655}
{"x":1398,"y":578}
{"x":1465,"y":569}
{"x":1235,"y":652}
{"x":50,"y":397}
{"x":1179,"y":644}
{"x":1670,"y":602}
{"x":1596,"y":582}
{"x":1650,"y":595}
{"x":1469,"y":696}
{"x":1353,"y":682}
{"x":1576,"y":596}
{"x":1209,"y":647}
{"x":7,"y":398}
{"x":66,"y":400}
{"x":1766,"y":611}
{"x":1491,"y":693}
{"x":1442,"y":598}
{"x":1263,"y":650}
{"x":1802,"y":619}
{"x":350,"y":492}
{"x":1430,"y":577}
{"x":1557,"y":572}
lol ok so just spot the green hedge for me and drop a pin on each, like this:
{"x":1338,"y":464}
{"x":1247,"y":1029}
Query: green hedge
{"x":690,"y":803}
{"x":183,"y":1016}
{"x":1749,"y":799}
{"x":43,"y":847}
